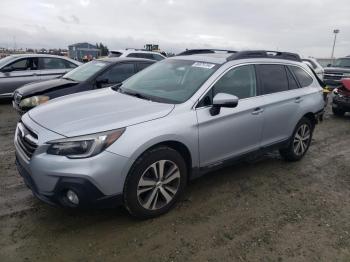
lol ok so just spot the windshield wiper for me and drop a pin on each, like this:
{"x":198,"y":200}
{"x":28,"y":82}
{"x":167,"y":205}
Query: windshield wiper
{"x":67,"y":78}
{"x":136,"y":94}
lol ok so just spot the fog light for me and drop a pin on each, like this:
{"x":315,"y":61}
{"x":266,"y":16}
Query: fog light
{"x":72,"y":197}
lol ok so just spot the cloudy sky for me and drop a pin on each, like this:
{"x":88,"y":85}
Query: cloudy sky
{"x":288,"y":25}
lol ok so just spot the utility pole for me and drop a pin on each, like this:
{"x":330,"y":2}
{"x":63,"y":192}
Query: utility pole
{"x":335,"y":32}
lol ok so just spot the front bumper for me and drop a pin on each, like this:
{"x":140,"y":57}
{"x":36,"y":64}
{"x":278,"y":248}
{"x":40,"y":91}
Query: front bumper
{"x":89,"y":195}
{"x":98,"y":181}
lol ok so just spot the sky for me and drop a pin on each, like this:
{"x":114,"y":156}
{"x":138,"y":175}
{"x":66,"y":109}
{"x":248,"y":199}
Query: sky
{"x":302,"y":26}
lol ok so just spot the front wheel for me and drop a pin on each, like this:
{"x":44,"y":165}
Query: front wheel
{"x":338,"y":112}
{"x":155,"y":182}
{"x":299,"y":142}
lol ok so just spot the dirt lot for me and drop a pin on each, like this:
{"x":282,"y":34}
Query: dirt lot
{"x":263,"y":210}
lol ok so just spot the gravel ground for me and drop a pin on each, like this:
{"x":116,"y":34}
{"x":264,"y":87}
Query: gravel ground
{"x":261,"y":210}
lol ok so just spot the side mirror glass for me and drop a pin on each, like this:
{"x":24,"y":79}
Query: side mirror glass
{"x":223,"y":100}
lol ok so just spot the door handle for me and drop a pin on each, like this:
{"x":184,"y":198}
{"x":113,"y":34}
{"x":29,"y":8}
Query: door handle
{"x":298,"y":100}
{"x":257,"y":111}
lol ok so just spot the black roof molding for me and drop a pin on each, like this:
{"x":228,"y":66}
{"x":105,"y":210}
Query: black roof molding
{"x":204,"y":51}
{"x":264,"y":54}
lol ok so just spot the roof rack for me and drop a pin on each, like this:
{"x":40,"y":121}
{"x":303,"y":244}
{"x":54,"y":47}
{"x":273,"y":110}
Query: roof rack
{"x":264,"y":54}
{"x":204,"y":51}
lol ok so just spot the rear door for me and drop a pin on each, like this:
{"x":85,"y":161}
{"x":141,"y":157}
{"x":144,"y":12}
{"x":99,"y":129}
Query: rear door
{"x":283,"y":97}
{"x":234,"y":131}
{"x":18,"y":73}
{"x":51,"y":67}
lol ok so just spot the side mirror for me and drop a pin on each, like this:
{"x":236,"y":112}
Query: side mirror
{"x":223,"y":100}
{"x":101,"y":82}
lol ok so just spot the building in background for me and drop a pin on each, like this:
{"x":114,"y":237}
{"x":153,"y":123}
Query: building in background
{"x":83,"y":52}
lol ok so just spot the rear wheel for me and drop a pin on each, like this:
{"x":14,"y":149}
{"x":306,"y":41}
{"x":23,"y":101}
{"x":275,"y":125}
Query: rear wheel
{"x":299,"y":142}
{"x":155,"y":182}
{"x":338,"y":112}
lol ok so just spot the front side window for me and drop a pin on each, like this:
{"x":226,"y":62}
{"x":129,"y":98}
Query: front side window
{"x":240,"y":81}
{"x":170,"y":80}
{"x":303,"y":77}
{"x":273,"y":78}
{"x":85,"y":71}
{"x":157,"y":57}
{"x":118,"y":73}
{"x":23,"y":64}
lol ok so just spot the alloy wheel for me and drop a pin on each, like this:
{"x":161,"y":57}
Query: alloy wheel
{"x":301,"y":139}
{"x":158,"y":184}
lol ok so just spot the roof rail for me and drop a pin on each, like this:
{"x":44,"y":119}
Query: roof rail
{"x":264,"y":54}
{"x":204,"y":51}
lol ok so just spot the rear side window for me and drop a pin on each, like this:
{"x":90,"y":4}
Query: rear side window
{"x":292,"y":83}
{"x":304,"y":78}
{"x":52,"y":63}
{"x":118,"y":73}
{"x":239,"y":81}
{"x":69,"y":64}
{"x":157,"y":57}
{"x":273,"y":78}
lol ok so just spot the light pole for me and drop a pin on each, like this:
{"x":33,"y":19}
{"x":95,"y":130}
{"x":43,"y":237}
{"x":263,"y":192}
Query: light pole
{"x":335,"y":31}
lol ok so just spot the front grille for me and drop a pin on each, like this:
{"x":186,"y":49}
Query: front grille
{"x":333,"y":75}
{"x":27,"y":140}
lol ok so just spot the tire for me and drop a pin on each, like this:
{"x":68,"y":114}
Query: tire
{"x":300,"y":141}
{"x":338,"y":112}
{"x":148,"y":193}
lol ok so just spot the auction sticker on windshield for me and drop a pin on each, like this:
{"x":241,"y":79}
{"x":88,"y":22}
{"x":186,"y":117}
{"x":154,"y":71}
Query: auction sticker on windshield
{"x":203,"y":65}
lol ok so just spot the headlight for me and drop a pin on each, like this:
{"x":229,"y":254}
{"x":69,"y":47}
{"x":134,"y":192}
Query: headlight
{"x":84,"y":146}
{"x":34,"y":101}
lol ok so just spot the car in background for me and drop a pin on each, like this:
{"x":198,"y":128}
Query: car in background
{"x":96,"y":74}
{"x":341,"y":98}
{"x":139,"y":144}
{"x":137,"y":53}
{"x":18,"y":70}
{"x":334,"y":73}
{"x":315,"y":65}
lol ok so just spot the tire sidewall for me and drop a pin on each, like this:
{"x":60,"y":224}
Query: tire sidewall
{"x":300,"y":123}
{"x":131,"y":201}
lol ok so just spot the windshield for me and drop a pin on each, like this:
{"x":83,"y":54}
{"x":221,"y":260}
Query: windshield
{"x":5,"y":60}
{"x":85,"y":71}
{"x":342,"y":62}
{"x":170,"y":81}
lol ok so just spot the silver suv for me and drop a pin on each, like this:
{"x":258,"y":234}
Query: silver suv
{"x":140,"y":143}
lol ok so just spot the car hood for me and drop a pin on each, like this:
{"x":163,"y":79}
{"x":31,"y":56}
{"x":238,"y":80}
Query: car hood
{"x":40,"y":87}
{"x":96,"y":111}
{"x":337,"y":69}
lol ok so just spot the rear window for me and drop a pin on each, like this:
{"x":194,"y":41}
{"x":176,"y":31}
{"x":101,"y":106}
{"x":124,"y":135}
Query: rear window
{"x":304,"y":78}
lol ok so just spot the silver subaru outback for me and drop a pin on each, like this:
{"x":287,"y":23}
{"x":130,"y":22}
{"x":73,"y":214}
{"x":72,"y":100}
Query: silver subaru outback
{"x":140,"y":143}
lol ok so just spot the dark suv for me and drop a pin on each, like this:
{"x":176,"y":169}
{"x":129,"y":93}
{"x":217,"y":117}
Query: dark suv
{"x":334,"y":73}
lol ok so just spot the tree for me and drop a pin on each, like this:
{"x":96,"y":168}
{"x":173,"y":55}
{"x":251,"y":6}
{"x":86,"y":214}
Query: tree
{"x":103,"y":49}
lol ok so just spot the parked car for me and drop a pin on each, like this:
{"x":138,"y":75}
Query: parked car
{"x":18,"y":70}
{"x":138,"y":53}
{"x":318,"y":69}
{"x":334,"y":73}
{"x":93,"y":75}
{"x":341,"y":98}
{"x":174,"y":121}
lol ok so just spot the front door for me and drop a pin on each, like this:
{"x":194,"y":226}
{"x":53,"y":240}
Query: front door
{"x":234,"y":131}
